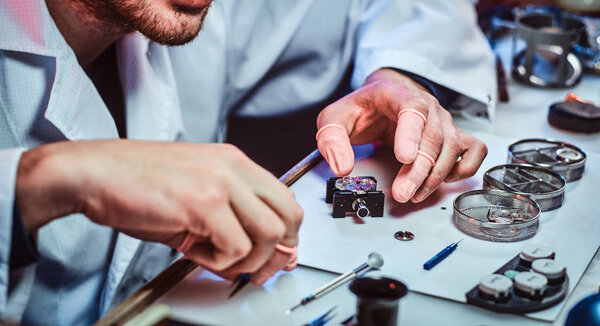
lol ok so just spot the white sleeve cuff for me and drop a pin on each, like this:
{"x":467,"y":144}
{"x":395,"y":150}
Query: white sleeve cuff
{"x":480,"y":92}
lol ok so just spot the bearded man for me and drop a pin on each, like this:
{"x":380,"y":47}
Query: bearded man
{"x":111,"y":159}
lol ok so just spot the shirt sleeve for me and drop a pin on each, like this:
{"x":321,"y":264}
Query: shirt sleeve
{"x":9,"y":161}
{"x":23,"y":251}
{"x":438,"y":40}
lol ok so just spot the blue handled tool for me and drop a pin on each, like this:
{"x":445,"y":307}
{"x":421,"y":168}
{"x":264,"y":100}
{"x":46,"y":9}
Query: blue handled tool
{"x":323,"y":319}
{"x":441,"y":255}
{"x":240,"y":281}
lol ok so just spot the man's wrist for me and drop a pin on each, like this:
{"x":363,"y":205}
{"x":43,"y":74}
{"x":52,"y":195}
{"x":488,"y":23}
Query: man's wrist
{"x":390,"y":73}
{"x":42,"y":190}
{"x":444,"y":95}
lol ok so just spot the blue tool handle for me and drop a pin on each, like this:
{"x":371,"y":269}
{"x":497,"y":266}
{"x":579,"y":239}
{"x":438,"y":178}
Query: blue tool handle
{"x":439,"y":257}
{"x":307,"y":299}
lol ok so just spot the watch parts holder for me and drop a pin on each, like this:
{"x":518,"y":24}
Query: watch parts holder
{"x":496,"y":215}
{"x":544,"y":186}
{"x":560,"y":157}
{"x":355,"y":194}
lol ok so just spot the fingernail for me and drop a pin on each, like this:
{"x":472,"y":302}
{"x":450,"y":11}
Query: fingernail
{"x":333,"y":164}
{"x":292,"y":262}
{"x":411,"y":191}
{"x":422,"y":194}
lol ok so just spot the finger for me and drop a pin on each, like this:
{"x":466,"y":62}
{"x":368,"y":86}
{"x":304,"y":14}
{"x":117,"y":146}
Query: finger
{"x":443,"y":165}
{"x":471,"y":159}
{"x":410,"y":177}
{"x":334,"y":145}
{"x":409,"y":130}
{"x":284,"y":204}
{"x":282,"y":258}
{"x":292,"y":262}
{"x":262,"y":225}
{"x":279,"y":198}
{"x":224,"y":243}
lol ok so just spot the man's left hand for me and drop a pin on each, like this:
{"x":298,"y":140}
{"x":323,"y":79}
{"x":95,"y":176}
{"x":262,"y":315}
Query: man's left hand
{"x":392,"y":108}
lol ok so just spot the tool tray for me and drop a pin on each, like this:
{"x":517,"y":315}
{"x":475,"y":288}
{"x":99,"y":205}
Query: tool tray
{"x":516,"y":303}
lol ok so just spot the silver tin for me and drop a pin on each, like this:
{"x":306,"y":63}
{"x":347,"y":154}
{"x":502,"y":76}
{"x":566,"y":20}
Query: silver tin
{"x":473,"y":209}
{"x":543,"y":185}
{"x":561,"y":157}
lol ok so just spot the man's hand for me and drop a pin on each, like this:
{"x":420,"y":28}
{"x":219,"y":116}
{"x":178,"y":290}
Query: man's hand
{"x":209,"y":200}
{"x":398,"y":111}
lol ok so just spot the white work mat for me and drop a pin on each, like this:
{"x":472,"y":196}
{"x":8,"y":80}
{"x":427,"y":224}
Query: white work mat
{"x":339,"y":244}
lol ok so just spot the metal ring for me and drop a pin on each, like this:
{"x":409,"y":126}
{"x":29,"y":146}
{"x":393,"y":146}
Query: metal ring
{"x":404,"y":235}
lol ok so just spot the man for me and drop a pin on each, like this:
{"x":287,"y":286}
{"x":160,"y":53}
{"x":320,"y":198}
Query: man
{"x":74,"y":78}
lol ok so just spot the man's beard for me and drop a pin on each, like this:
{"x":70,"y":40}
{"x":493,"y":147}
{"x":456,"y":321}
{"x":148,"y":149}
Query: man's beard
{"x":175,"y":27}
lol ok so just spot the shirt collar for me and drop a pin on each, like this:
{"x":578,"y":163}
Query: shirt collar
{"x":74,"y":106}
{"x":28,"y":27}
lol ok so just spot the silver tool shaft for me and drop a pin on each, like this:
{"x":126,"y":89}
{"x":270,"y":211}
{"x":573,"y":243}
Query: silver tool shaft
{"x":375,"y":261}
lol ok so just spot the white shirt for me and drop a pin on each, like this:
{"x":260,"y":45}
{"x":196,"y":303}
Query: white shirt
{"x":258,"y":58}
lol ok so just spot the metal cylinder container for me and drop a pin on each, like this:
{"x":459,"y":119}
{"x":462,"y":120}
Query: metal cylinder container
{"x":561,"y":157}
{"x":496,"y":215}
{"x":543,"y":185}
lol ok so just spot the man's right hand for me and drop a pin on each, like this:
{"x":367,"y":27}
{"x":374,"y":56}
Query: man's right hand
{"x":231,"y":211}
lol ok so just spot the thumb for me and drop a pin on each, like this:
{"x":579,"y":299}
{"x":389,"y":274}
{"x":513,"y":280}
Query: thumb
{"x":334,"y":145}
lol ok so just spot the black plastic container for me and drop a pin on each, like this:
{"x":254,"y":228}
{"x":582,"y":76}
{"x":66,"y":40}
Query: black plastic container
{"x":378,"y":299}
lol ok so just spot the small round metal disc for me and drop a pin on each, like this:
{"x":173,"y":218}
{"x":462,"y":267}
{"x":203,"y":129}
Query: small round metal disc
{"x":404,"y":235}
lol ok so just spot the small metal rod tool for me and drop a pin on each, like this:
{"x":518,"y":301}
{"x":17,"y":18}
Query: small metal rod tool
{"x":375,"y":261}
{"x":441,"y":255}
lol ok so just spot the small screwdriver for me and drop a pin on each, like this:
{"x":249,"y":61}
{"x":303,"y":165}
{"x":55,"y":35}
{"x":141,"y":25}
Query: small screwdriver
{"x":441,"y":255}
{"x":375,"y":261}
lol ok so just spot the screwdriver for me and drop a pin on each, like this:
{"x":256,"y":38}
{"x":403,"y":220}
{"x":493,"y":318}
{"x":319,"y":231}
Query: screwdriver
{"x":441,"y":255}
{"x":375,"y":261}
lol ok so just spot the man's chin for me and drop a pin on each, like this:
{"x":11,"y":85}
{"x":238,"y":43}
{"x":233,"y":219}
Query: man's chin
{"x":178,"y":31}
{"x":172,"y":39}
{"x":168,"y":22}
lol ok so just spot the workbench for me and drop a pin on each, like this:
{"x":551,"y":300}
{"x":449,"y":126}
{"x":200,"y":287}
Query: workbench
{"x":197,"y":296}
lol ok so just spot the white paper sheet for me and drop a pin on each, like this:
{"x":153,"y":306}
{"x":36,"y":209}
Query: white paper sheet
{"x":334,"y":244}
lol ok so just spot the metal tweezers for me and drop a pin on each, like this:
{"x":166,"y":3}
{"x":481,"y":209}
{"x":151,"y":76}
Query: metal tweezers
{"x":240,"y":281}
{"x":323,"y":319}
{"x":243,"y":279}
